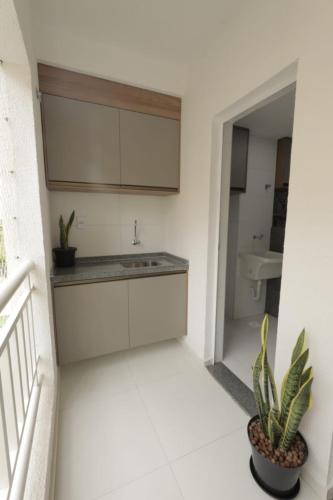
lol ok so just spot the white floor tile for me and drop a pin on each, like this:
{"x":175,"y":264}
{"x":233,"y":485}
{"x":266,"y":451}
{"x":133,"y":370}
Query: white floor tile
{"x":159,"y":485}
{"x":221,"y":471}
{"x":105,"y":447}
{"x":161,"y":360}
{"x":190,"y":410}
{"x":90,"y":382}
{"x":242,"y":345}
{"x":124,"y":416}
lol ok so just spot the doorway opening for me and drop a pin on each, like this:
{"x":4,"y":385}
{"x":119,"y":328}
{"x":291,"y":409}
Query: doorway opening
{"x":259,"y":158}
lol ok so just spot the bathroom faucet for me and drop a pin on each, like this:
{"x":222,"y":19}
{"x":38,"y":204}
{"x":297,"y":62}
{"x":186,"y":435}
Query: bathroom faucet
{"x":258,"y":236}
{"x":135,"y":240}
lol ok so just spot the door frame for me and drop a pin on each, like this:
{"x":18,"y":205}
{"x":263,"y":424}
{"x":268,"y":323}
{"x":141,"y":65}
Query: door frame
{"x":270,"y":90}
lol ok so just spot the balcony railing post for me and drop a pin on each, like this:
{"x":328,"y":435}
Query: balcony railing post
{"x":13,"y":392}
{"x":31,"y":287}
{"x":20,"y":371}
{"x":20,"y":376}
{"x":5,"y":433}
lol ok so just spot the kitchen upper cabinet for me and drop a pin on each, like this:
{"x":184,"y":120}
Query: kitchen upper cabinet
{"x":149,"y":150}
{"x":91,"y":319}
{"x":239,"y":156}
{"x":81,"y":141}
{"x":104,"y":136}
{"x":157,"y":308}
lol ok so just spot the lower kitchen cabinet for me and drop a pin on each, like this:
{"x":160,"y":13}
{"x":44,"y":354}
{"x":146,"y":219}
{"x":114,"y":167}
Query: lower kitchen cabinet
{"x":91,"y":319}
{"x":157,"y":308}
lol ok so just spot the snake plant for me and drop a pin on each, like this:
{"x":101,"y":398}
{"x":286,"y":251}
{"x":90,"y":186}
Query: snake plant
{"x":280,"y":422}
{"x":64,"y":230}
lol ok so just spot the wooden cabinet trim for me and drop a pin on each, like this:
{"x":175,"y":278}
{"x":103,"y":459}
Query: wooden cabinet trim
{"x":74,"y":85}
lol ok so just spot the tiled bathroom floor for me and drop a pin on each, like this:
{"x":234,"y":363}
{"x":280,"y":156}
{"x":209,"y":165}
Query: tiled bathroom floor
{"x":243,"y":344}
{"x":151,"y":424}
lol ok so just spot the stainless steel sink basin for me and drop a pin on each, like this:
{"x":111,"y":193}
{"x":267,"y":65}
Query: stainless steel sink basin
{"x":140,"y":263}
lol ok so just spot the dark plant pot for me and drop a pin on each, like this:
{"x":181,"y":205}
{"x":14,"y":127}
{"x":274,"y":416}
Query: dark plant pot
{"x":64,"y":257}
{"x":277,"y":481}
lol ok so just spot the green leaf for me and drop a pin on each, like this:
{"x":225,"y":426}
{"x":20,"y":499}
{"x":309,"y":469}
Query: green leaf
{"x":299,"y":347}
{"x":291,"y":384}
{"x":257,"y":368}
{"x":299,"y":405}
{"x":265,"y":370}
{"x":62,"y":232}
{"x":69,"y":225}
{"x":273,"y":388}
{"x":71,"y":219}
{"x":306,"y":375}
{"x":274,"y":428}
{"x":264,"y":330}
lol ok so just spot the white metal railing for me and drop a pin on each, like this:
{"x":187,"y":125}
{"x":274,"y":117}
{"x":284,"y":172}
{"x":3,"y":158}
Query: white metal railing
{"x":19,"y":385}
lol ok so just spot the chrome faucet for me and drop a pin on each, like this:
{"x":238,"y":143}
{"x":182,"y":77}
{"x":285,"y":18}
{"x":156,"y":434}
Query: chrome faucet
{"x":135,"y":240}
{"x":258,"y":236}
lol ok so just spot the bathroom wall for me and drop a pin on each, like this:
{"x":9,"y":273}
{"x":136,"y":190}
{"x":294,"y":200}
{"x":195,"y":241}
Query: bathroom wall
{"x":104,"y":223}
{"x":250,"y":214}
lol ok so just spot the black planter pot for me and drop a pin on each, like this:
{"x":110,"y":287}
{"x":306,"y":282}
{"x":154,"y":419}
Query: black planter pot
{"x":64,"y":257}
{"x":277,"y":481}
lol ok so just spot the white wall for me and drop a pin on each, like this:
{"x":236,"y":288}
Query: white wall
{"x":254,"y":216}
{"x":31,"y":209}
{"x":264,"y":38}
{"x":107,"y":222}
{"x":109,"y":218}
{"x":62,"y":48}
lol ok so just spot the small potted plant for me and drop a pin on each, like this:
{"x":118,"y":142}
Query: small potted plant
{"x":278,"y":450}
{"x":64,"y":256}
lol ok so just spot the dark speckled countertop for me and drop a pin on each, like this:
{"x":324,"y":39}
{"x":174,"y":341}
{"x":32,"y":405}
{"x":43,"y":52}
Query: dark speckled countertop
{"x":111,"y":267}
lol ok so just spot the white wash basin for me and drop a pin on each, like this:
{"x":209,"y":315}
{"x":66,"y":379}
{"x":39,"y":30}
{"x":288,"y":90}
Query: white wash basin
{"x":261,"y":266}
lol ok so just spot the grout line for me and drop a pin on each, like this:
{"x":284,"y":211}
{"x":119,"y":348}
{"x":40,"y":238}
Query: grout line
{"x":152,"y":424}
{"x":220,"y":438}
{"x":160,"y":442}
{"x":128,"y":483}
{"x":168,"y":463}
{"x":176,"y":480}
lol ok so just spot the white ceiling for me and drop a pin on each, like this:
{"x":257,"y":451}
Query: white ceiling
{"x":174,"y":29}
{"x":273,"y":120}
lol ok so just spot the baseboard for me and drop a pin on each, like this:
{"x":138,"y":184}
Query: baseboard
{"x":50,"y":494}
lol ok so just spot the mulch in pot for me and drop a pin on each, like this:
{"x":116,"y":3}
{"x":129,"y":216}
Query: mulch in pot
{"x":294,"y":457}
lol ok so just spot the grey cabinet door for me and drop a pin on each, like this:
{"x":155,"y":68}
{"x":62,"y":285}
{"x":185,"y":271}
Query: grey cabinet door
{"x":239,"y":155}
{"x":81,"y":141}
{"x":91,"y":319}
{"x":157,"y":308}
{"x":149,"y":150}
